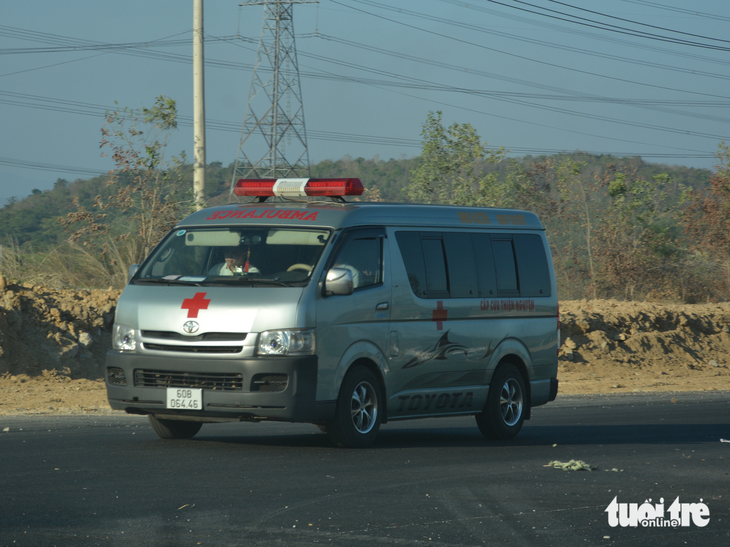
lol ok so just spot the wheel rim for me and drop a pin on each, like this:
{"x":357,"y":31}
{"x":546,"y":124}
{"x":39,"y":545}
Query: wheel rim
{"x":510,"y":402}
{"x":364,"y":407}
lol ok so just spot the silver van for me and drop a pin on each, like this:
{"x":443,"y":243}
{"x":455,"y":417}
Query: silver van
{"x":343,"y":315}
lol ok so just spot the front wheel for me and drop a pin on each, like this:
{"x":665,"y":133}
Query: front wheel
{"x":357,"y":416}
{"x":174,"y":429}
{"x":504,"y":413}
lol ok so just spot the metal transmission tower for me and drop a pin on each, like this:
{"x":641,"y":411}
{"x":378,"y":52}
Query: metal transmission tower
{"x":275,"y":110}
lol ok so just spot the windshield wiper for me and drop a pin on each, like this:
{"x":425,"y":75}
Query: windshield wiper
{"x":172,"y":280}
{"x":241,"y":280}
{"x":265,"y":281}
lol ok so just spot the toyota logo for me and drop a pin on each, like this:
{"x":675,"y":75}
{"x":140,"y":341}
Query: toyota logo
{"x":191,"y":327}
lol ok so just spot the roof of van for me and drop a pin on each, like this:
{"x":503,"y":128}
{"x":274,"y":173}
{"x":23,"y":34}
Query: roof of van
{"x":335,"y":215}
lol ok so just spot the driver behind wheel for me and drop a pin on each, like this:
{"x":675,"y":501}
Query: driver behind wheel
{"x":236,"y":263}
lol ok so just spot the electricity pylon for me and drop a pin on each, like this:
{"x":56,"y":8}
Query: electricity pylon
{"x":275,"y":110}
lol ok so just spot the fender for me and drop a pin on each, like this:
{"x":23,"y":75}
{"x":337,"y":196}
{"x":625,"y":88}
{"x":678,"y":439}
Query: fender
{"x":509,"y":346}
{"x":362,"y":349}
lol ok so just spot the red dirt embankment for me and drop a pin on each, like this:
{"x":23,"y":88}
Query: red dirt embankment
{"x":53,"y":345}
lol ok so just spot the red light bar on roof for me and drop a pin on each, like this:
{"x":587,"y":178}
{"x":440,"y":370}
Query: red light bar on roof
{"x":298,"y":187}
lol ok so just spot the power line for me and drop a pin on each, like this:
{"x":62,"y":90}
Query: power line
{"x":573,"y":19}
{"x":713,"y":16}
{"x":414,"y":83}
{"x":96,"y":110}
{"x":630,"y":21}
{"x":552,"y":127}
{"x":562,"y":29}
{"x":25,"y":164}
{"x":495,"y":50}
{"x":575,"y":30}
{"x":567,"y":95}
{"x":420,"y":84}
{"x":88,"y":109}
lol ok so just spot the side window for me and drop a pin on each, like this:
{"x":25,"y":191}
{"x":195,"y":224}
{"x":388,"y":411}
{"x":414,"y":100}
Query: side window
{"x":504,"y":259}
{"x":435,"y":260}
{"x":532,"y":265}
{"x":409,"y":244}
{"x":462,"y":267}
{"x":362,"y":254}
{"x":474,"y":265}
{"x":484,"y":260}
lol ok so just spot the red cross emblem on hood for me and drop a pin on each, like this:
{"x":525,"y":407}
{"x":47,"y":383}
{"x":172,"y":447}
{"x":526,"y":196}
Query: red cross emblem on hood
{"x":195,"y":304}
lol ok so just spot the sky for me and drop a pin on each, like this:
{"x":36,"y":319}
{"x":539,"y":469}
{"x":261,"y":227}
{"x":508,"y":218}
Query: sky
{"x":642,"y":78}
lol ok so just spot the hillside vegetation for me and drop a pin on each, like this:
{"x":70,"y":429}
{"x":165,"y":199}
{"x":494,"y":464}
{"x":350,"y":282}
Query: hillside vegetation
{"x":36,"y":246}
{"x":618,"y":228}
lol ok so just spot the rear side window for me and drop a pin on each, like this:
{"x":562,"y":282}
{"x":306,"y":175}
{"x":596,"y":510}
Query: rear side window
{"x":474,"y":265}
{"x":532,"y":265}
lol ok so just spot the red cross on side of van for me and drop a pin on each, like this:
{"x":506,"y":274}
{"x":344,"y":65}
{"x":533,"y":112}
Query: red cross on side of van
{"x":439,"y":315}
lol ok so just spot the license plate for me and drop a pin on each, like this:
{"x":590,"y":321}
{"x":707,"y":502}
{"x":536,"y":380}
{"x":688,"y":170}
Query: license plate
{"x":185,"y":398}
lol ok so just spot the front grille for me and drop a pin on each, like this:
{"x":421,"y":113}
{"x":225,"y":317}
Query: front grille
{"x":193,"y":348}
{"x":269,"y":382}
{"x":221,"y":381}
{"x":205,"y":337}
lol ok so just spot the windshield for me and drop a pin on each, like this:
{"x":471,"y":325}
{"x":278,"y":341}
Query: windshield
{"x":241,"y":255}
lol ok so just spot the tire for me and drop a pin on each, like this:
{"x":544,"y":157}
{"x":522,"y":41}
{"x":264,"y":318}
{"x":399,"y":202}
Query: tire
{"x":357,"y":415}
{"x":504,"y":413}
{"x":174,"y":429}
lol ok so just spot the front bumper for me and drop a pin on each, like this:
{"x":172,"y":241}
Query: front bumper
{"x":232,"y":388}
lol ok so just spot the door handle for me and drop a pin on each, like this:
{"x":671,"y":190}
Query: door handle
{"x":382,"y":306}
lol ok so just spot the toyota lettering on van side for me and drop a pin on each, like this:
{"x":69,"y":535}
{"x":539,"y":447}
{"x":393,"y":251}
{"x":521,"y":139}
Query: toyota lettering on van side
{"x":435,"y":402}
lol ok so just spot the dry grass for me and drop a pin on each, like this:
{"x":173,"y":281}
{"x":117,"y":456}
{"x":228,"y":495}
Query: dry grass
{"x":70,"y":265}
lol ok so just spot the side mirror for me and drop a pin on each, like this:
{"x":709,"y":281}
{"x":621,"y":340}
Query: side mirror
{"x":132,"y":270}
{"x":338,"y":282}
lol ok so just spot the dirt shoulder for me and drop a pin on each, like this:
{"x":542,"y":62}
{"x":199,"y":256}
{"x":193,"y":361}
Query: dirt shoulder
{"x":53,"y":345}
{"x":612,"y":347}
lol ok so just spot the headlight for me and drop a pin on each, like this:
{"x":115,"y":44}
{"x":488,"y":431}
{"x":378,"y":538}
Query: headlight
{"x":123,"y":338}
{"x":286,"y":342}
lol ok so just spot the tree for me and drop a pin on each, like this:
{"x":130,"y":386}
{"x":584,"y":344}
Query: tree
{"x":450,"y":170}
{"x":706,"y":219}
{"x":147,"y":193}
{"x":631,"y":242}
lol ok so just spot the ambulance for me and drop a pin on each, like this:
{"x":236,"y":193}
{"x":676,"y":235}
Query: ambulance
{"x":346,"y":315}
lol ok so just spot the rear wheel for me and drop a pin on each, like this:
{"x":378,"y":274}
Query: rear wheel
{"x":504,"y":413}
{"x":174,"y":429}
{"x":357,"y":417}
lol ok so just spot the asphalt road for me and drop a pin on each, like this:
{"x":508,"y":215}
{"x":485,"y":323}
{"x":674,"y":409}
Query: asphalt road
{"x":85,"y":480}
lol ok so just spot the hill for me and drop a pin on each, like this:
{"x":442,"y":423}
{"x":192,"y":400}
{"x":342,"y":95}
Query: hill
{"x":33,"y":220}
